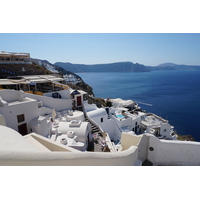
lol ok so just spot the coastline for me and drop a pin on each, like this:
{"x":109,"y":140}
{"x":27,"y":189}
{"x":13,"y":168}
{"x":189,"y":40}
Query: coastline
{"x":169,"y":98}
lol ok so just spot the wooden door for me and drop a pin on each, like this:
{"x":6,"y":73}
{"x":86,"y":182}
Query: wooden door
{"x":22,"y":129}
{"x":79,"y":103}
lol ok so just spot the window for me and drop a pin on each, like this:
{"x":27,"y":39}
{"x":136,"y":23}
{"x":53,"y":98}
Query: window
{"x":102,"y":119}
{"x":135,"y":123}
{"x":20,"y":118}
{"x":165,"y":130}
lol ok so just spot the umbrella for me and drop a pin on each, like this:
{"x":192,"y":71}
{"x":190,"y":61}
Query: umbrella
{"x":53,"y":113}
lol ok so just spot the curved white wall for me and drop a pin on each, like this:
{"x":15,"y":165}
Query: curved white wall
{"x":123,"y":158}
{"x":16,"y":150}
{"x":170,"y":152}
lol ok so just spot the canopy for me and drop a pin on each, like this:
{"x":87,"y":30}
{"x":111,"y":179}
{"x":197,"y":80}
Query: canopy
{"x":53,"y":113}
{"x":7,"y":82}
{"x":75,"y":92}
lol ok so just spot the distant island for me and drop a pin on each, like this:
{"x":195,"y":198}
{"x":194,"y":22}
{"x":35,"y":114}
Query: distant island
{"x":110,"y":67}
{"x":172,"y":66}
{"x":122,"y":67}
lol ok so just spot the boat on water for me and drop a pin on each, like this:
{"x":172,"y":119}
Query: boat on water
{"x":45,"y":122}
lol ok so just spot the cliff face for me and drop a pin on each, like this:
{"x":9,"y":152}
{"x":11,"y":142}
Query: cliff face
{"x":82,"y":86}
{"x":60,"y":69}
{"x":112,"y":67}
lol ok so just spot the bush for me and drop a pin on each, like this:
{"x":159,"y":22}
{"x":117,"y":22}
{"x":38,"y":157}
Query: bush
{"x":108,"y":103}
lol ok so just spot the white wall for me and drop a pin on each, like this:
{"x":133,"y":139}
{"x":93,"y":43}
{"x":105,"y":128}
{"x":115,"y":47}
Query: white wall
{"x":123,"y":158}
{"x":45,"y":111}
{"x":2,"y":120}
{"x":65,"y":94}
{"x":168,"y":129}
{"x":138,"y":120}
{"x":141,"y":141}
{"x":123,"y":122}
{"x":81,"y":131}
{"x":42,"y":127}
{"x":16,"y":151}
{"x":170,"y":152}
{"x":28,"y":108}
{"x":89,"y":107}
{"x":58,"y":104}
{"x":100,"y":117}
{"x":109,"y":127}
{"x":11,"y":95}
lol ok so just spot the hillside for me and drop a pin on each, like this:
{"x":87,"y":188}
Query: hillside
{"x":111,"y":67}
{"x":59,"y":69}
{"x":21,"y":69}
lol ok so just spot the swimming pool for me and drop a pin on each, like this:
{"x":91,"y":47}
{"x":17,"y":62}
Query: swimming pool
{"x":120,"y":116}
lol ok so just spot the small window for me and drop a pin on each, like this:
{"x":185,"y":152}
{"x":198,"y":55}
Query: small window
{"x":165,"y":130}
{"x":135,"y":123}
{"x":20,"y":118}
{"x":102,"y":119}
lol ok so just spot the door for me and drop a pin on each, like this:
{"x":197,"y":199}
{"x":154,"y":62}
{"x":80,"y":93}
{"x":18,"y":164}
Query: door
{"x":79,"y":103}
{"x":22,"y":129}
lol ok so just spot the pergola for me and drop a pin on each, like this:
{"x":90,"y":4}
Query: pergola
{"x":11,"y":56}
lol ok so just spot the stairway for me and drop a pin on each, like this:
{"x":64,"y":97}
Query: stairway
{"x":94,"y":145}
{"x":95,"y":129}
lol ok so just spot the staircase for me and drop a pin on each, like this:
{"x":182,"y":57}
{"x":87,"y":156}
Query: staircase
{"x":95,"y":129}
{"x":95,"y":145}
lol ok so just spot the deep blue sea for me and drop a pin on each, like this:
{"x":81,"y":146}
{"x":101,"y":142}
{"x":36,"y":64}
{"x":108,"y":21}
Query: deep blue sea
{"x":175,"y":95}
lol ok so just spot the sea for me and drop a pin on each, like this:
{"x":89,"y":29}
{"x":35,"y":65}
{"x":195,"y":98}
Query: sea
{"x":173,"y":95}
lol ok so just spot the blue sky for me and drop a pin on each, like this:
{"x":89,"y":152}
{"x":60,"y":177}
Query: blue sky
{"x":95,"y":48}
{"x":93,"y":32}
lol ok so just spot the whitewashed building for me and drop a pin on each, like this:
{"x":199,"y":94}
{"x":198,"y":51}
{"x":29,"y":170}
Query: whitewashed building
{"x":15,"y":58}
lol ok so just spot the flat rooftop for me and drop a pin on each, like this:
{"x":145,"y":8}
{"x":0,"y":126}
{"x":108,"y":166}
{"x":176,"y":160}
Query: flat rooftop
{"x":152,"y":120}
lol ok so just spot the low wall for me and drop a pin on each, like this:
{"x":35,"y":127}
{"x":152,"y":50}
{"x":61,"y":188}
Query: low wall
{"x":124,"y":158}
{"x":166,"y":152}
{"x":141,"y":141}
{"x":58,"y":104}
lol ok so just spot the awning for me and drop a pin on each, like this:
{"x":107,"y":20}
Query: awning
{"x":56,"y":79}
{"x":75,"y":92}
{"x":7,"y":82}
{"x":39,"y":81}
{"x":22,"y":81}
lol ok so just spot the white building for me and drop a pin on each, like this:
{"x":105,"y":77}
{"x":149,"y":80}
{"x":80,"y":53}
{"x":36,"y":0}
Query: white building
{"x":72,"y":79}
{"x":18,"y":110}
{"x":76,"y":134}
{"x":101,"y":118}
{"x":157,"y":126}
{"x":15,"y":58}
{"x":26,"y":115}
